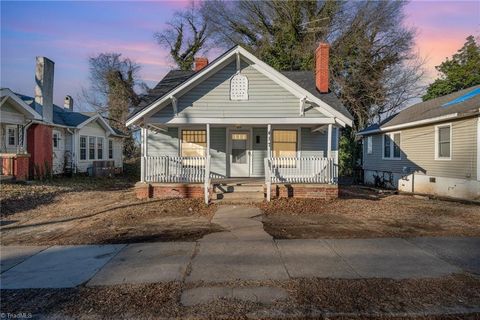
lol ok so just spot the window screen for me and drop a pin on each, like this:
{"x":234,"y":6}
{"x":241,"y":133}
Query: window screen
{"x":110,"y":149}
{"x":396,"y":145}
{"x":386,"y":146}
{"x":99,"y":148}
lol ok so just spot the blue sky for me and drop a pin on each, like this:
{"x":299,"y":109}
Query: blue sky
{"x":68,"y":32}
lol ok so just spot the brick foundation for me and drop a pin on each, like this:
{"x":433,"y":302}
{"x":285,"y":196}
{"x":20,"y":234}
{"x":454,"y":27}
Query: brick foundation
{"x":15,"y":165}
{"x":315,"y":191}
{"x":168,"y":190}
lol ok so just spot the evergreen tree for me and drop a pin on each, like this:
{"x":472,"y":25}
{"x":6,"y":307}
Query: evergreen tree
{"x":460,"y":72}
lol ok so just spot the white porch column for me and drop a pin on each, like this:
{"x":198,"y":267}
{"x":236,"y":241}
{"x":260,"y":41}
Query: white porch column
{"x":143,"y":151}
{"x":329,"y":141}
{"x":269,"y":140}
{"x":207,"y":165}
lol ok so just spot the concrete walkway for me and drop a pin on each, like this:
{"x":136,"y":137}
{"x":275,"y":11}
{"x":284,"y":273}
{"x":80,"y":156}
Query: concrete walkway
{"x":244,"y":252}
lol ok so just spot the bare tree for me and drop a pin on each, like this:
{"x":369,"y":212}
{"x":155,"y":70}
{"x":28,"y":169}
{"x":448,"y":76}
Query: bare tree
{"x":113,"y":80}
{"x":185,"y":37}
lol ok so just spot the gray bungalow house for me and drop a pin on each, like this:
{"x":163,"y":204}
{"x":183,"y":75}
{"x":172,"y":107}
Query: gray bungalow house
{"x":432,"y":147}
{"x":238,"y":124}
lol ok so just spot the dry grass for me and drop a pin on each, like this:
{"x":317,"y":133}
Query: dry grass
{"x":97,"y":211}
{"x":361,"y":213}
{"x":308,"y":298}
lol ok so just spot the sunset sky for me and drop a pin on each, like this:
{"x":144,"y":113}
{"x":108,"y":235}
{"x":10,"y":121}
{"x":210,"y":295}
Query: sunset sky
{"x":70,"y":32}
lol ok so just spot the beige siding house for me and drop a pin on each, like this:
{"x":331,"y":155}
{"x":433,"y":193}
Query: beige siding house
{"x":431,"y":147}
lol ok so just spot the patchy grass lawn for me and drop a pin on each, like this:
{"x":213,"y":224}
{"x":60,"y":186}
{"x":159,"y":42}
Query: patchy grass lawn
{"x":362,"y":213}
{"x":308,"y":298}
{"x":88,"y":211}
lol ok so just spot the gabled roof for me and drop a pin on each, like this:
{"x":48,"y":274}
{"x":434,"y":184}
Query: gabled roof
{"x":21,"y":105}
{"x":65,"y":118}
{"x":175,"y":82}
{"x":460,"y":103}
{"x":306,"y":80}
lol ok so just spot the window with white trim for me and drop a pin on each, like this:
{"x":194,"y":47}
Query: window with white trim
{"x":194,"y":143}
{"x":12,"y":136}
{"x":443,"y":142}
{"x":285,"y":143}
{"x":91,"y":148}
{"x":99,"y":148}
{"x":56,"y":139}
{"x":391,"y":146}
{"x":110,"y":149}
{"x":369,"y":145}
{"x":83,"y":148}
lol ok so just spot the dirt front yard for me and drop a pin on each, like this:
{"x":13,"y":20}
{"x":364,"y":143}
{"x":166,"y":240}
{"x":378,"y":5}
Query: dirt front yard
{"x":364,"y":213}
{"x":452,"y":297}
{"x":92,"y":211}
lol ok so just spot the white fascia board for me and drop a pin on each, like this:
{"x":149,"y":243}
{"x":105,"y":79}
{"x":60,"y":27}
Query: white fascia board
{"x":5,"y":92}
{"x":184,"y":120}
{"x":410,"y":124}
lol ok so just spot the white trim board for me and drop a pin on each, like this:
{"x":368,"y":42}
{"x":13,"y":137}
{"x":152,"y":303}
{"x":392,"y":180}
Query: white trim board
{"x":261,"y":66}
{"x":234,"y":121}
{"x":436,"y":157}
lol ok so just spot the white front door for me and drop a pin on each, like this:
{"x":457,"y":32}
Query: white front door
{"x":239,"y":153}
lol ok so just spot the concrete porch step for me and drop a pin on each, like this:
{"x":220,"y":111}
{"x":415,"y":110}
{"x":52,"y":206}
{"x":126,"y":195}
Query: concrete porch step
{"x":237,"y":188}
{"x":240,"y":195}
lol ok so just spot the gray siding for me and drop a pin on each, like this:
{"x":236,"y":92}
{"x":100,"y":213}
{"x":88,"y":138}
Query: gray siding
{"x":211,"y":98}
{"x":313,"y":143}
{"x":218,"y":148}
{"x":259,"y":152}
{"x":163,"y":143}
{"x":418,"y":152}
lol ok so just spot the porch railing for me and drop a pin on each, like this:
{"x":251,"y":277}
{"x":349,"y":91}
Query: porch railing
{"x":299,"y":170}
{"x":175,"y":169}
{"x":178,"y":169}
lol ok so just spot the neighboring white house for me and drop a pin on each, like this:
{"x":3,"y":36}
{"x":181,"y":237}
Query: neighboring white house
{"x":432,"y":147}
{"x":51,"y":136}
{"x":238,"y":118}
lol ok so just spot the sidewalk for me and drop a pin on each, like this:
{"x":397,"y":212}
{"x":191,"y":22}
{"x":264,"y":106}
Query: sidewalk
{"x":245,"y":252}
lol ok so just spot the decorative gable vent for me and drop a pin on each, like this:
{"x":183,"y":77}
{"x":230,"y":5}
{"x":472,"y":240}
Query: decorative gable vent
{"x":239,"y":87}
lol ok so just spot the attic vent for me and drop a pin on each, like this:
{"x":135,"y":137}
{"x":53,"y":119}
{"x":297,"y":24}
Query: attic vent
{"x":239,"y":87}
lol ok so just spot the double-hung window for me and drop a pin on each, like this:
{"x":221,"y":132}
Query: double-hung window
{"x":12,"y":138}
{"x":110,"y":149}
{"x":83,"y":148}
{"x":99,"y":148}
{"x":391,"y":146}
{"x":443,"y":142}
{"x":194,"y":144}
{"x":369,"y":145}
{"x":285,"y":146}
{"x":91,"y":148}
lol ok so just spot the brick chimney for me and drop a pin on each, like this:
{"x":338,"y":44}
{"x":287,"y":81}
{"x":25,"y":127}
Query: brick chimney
{"x":321,"y":67}
{"x":44,"y":86}
{"x":68,"y":103}
{"x":200,"y":63}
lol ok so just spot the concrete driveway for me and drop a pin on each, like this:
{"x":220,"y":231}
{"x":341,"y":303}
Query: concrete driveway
{"x":245,"y":252}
